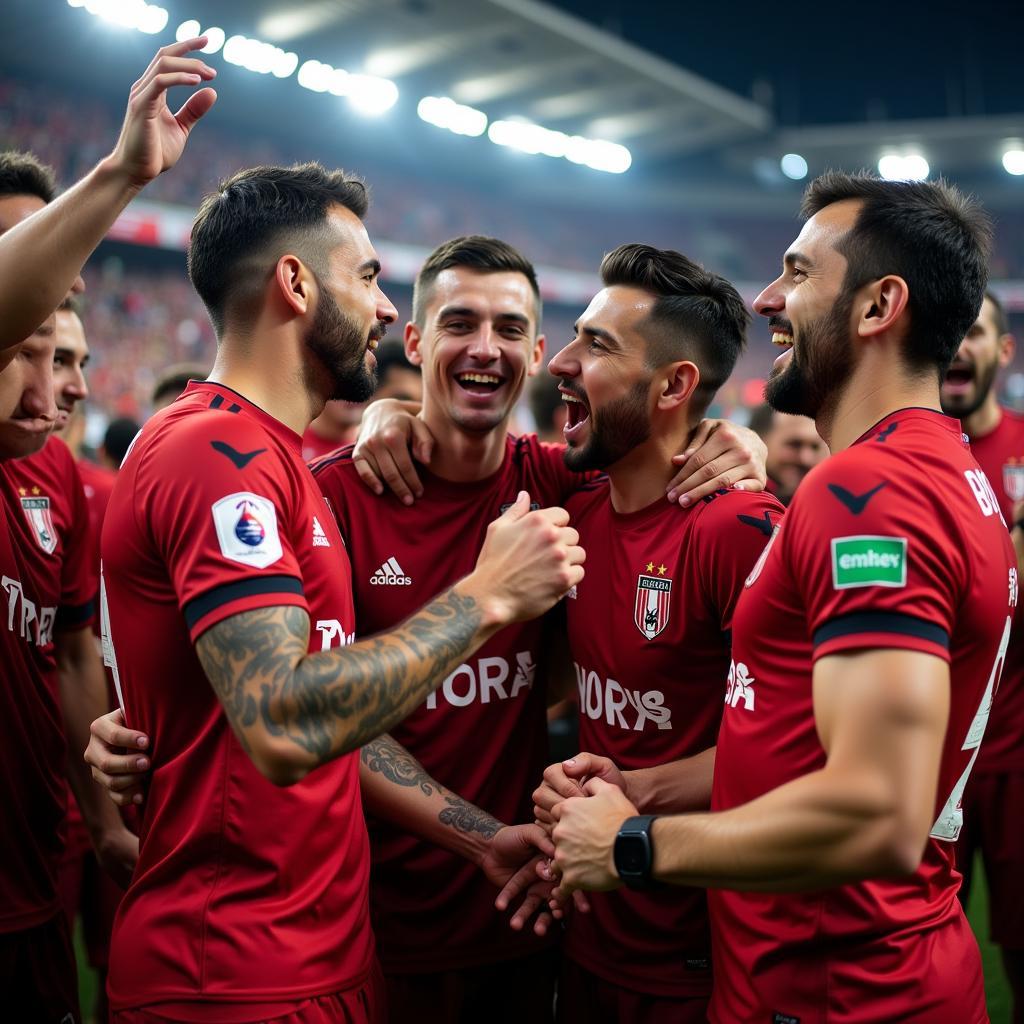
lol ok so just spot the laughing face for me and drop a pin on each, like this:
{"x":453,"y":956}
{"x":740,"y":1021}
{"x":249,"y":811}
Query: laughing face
{"x":605,"y":381}
{"x":477,"y":345}
{"x":809,"y":315}
{"x":982,"y":353}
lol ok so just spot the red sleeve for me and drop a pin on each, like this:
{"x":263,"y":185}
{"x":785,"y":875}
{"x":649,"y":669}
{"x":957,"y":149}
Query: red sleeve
{"x":225,"y":531}
{"x":79,"y":582}
{"x":874,"y":565}
{"x":334,"y":475}
{"x":730,"y":535}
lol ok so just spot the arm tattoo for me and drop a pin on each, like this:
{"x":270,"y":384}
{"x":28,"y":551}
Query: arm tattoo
{"x":397,"y":765}
{"x":331,"y":702}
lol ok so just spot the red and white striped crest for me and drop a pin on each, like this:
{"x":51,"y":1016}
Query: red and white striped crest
{"x":651,"y":611}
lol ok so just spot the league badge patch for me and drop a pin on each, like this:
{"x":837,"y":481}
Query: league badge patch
{"x":37,"y":512}
{"x":246,"y":527}
{"x":652,"y":607}
{"x":1013,"y":479}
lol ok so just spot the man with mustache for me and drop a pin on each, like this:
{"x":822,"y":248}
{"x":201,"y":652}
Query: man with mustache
{"x":994,"y":799}
{"x":866,"y":649}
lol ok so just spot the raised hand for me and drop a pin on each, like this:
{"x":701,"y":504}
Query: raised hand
{"x":152,"y":138}
{"x":528,"y":562}
{"x":391,"y":435}
{"x":720,"y":454}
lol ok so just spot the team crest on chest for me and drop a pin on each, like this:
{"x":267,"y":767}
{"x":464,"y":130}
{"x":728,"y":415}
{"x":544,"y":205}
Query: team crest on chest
{"x":1013,"y":479}
{"x":652,"y":606}
{"x":37,"y":511}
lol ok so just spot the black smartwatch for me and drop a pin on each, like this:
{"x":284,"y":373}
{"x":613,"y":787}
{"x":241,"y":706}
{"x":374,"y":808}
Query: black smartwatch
{"x":634,"y":852}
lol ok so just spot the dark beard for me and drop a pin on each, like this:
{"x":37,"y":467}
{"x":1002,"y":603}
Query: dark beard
{"x":819,"y":367}
{"x":622,"y":425}
{"x":340,"y":345}
{"x":982,"y":386}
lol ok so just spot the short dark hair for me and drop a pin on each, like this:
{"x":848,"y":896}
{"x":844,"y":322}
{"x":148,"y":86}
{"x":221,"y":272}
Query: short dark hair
{"x":174,"y":380}
{"x":475,"y":252}
{"x":118,"y":438}
{"x":927,"y":232}
{"x":253,"y":218}
{"x":761,"y":420}
{"x":23,"y":174}
{"x":1002,"y":321}
{"x":697,"y":315}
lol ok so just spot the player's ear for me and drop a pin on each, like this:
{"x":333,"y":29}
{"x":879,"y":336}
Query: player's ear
{"x":536,"y":356}
{"x":413,"y":338}
{"x":880,"y":304}
{"x":1007,"y":349}
{"x":294,"y":284}
{"x":678,"y":383}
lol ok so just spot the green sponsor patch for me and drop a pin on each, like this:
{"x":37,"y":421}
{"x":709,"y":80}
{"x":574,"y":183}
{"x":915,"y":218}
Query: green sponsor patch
{"x":869,"y":562}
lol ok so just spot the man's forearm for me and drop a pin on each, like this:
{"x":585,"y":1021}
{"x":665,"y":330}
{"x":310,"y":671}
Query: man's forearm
{"x":814,"y":832}
{"x":83,"y":694}
{"x":673,"y":788}
{"x":315,"y":707}
{"x":41,"y":257}
{"x":395,"y":786}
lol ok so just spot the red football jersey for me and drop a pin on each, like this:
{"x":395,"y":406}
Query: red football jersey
{"x":99,"y":484}
{"x":649,"y":631}
{"x":896,"y":542}
{"x":314,"y":446}
{"x":482,"y":733}
{"x":245,"y":892}
{"x":48,"y":583}
{"x":1000,"y":453}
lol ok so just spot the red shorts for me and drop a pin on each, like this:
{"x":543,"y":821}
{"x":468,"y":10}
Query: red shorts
{"x":993,"y":812}
{"x":520,"y":991}
{"x":585,"y":998}
{"x":37,"y":974}
{"x":363,"y":1005}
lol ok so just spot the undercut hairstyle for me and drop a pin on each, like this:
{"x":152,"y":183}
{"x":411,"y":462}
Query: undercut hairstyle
{"x":254,"y":218}
{"x":926,"y":232}
{"x":173,"y":381}
{"x":697,"y":315}
{"x":999,"y":317}
{"x":474,"y":252}
{"x":23,"y":174}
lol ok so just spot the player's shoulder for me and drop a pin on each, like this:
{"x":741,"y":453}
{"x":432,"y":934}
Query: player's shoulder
{"x":591,"y":495}
{"x":1012,"y":421}
{"x":334,"y":464}
{"x":729,"y":509}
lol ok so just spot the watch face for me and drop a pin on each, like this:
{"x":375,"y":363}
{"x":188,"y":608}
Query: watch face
{"x":631,"y":854}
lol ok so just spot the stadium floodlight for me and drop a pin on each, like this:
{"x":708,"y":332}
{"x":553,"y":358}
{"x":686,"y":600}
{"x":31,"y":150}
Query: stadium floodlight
{"x":533,"y":138}
{"x":370,"y":95}
{"x":214,"y":39}
{"x":906,"y":167}
{"x":186,"y":30}
{"x":259,"y":57}
{"x":76,"y":3}
{"x":444,"y":112}
{"x":1013,"y":160}
{"x":135,"y":14}
{"x":794,"y":166}
{"x":314,"y":76}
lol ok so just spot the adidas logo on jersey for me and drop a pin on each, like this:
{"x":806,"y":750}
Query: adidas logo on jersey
{"x":390,"y":574}
{"x":319,"y":537}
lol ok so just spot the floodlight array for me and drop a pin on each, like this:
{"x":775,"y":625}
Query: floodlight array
{"x":137,"y":14}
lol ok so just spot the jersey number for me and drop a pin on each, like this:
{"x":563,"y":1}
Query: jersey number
{"x":950,"y":820}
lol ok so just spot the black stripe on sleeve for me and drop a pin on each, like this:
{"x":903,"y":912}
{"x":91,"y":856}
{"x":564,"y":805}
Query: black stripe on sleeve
{"x":216,"y":402}
{"x":206,"y":603}
{"x":71,"y":616}
{"x":882,"y":622}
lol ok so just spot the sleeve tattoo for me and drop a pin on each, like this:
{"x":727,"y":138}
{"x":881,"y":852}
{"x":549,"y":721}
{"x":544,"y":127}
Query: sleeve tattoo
{"x":331,"y":702}
{"x":390,"y":759}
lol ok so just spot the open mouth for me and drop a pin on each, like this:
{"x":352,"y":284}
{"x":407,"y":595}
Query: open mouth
{"x":477,"y":383}
{"x":959,"y":377}
{"x":783,"y":340}
{"x":577,"y":415}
